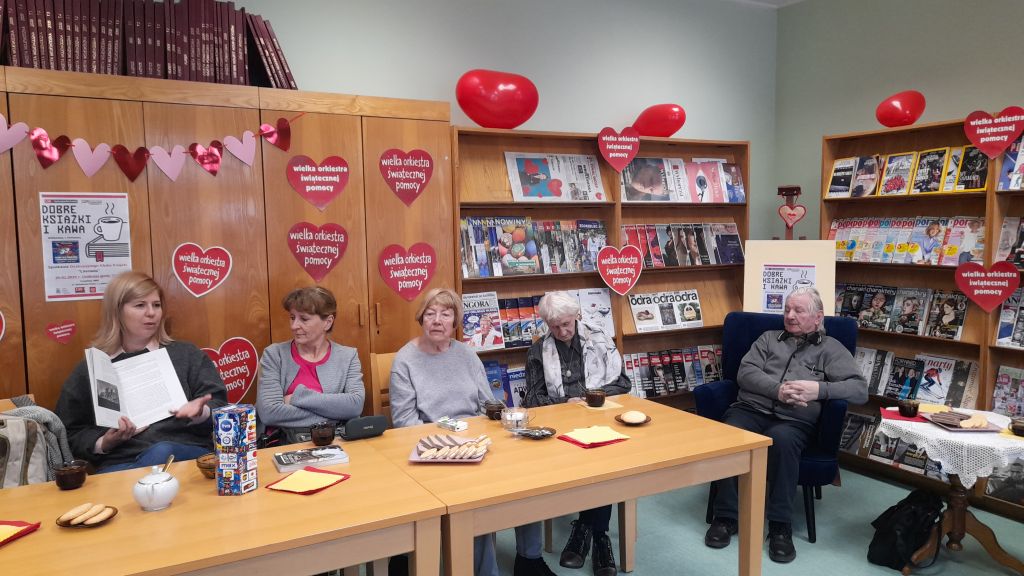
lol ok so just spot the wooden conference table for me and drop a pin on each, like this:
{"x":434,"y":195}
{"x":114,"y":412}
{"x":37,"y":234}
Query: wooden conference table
{"x":378,"y":512}
{"x":523,"y":480}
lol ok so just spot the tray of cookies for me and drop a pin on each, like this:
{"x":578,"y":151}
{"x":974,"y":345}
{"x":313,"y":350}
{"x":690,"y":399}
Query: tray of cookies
{"x":447,"y":449}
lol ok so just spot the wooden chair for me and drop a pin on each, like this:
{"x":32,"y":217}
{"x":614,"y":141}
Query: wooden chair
{"x":6,"y":403}
{"x":380,"y":378}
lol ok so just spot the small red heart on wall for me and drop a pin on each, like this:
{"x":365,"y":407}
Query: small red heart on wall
{"x":208,"y":158}
{"x":993,"y":135}
{"x":619,"y":149}
{"x":792,"y":214}
{"x":132,"y":164}
{"x":407,"y":272}
{"x":48,"y":152}
{"x":280,"y":136}
{"x":61,"y":332}
{"x":236,"y":360}
{"x":620,"y":269}
{"x":199,"y":270}
{"x":987,"y":288}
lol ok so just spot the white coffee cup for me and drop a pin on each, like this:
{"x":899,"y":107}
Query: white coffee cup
{"x":109,"y":227}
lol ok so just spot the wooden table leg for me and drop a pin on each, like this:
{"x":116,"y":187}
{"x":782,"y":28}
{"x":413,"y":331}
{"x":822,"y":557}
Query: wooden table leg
{"x":958,"y":507}
{"x":426,"y":558}
{"x":983,"y":534}
{"x":627,"y":535}
{"x":933,"y":543}
{"x":457,"y":543}
{"x":751,"y":492}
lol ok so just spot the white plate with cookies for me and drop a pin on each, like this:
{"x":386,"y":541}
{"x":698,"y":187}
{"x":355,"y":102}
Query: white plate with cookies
{"x":447,"y":449}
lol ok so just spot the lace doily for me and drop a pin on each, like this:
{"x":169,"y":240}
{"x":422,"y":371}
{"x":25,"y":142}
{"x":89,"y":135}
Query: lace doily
{"x":969,"y":455}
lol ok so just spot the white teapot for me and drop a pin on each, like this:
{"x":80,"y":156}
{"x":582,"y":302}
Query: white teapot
{"x":155,"y":490}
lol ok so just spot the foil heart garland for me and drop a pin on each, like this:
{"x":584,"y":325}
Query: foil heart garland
{"x":131,"y":163}
{"x":244,"y":149}
{"x":280,"y":136}
{"x":90,"y":159}
{"x":207,"y":157}
{"x":48,"y":152}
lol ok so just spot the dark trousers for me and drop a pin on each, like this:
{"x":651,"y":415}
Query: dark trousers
{"x":789,"y":438}
{"x":597,"y":518}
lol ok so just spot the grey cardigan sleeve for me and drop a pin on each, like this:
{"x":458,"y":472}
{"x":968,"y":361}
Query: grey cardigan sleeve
{"x":270,"y":393}
{"x":402,"y":397}
{"x":844,"y":379}
{"x":342,"y":381}
{"x":751,"y":375}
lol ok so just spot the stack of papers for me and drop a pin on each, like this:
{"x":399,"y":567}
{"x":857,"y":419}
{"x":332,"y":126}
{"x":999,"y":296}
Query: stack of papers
{"x":593,"y":436}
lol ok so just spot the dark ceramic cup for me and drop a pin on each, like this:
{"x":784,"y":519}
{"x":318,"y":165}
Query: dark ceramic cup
{"x":322,"y":434}
{"x":595,"y":398}
{"x":71,"y":475}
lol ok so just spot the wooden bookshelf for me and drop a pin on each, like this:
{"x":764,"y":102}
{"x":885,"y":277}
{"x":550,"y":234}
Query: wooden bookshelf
{"x":977,"y":343}
{"x":481,"y":188}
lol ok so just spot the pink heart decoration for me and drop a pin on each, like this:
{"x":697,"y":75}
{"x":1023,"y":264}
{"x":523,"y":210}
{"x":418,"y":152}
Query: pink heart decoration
{"x":280,"y":136}
{"x":620,"y":269}
{"x":406,"y":173}
{"x":89,"y":159}
{"x":618,"y":148}
{"x":318,"y":249}
{"x":407,"y":272}
{"x":48,"y":152}
{"x":131,"y":163}
{"x":208,"y":158}
{"x":244,"y":150}
{"x":236,"y":360}
{"x":319,"y":183}
{"x":9,"y":137}
{"x":792,"y":214}
{"x":993,"y":135}
{"x":3,"y":326}
{"x":169,"y":163}
{"x":199,"y":270}
{"x":987,"y":288}
{"x":61,"y":332}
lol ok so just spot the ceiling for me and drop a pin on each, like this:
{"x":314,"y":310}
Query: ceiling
{"x":768,"y":3}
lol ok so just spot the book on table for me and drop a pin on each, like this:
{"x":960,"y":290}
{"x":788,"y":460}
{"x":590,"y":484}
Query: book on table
{"x":144,"y":388}
{"x":320,"y":456}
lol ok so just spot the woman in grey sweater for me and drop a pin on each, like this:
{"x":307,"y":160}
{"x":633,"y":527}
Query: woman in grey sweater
{"x":309,"y":379}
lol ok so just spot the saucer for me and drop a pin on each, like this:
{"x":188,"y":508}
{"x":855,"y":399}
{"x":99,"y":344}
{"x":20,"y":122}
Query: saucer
{"x":621,"y":421}
{"x":68,"y":524}
{"x":536,"y":432}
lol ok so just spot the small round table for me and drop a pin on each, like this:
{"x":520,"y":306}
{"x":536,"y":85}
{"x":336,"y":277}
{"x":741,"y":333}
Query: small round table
{"x":965,"y":457}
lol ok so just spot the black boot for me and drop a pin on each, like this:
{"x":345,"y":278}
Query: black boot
{"x":531,"y":567}
{"x":575,"y":551}
{"x":720,"y":533}
{"x":603,"y":557}
{"x":780,"y":542}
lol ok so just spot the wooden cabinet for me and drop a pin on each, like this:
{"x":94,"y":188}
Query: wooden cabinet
{"x":482,"y":189}
{"x":12,"y":346}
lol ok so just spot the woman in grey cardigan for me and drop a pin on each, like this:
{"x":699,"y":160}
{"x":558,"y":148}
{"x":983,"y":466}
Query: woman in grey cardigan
{"x":309,"y":379}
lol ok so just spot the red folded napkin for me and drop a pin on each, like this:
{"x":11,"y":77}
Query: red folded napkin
{"x":895,"y":415}
{"x":594,"y":445}
{"x":25,"y":528}
{"x":341,"y":478}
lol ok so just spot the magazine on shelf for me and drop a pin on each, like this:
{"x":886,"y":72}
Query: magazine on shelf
{"x":1008,"y":313}
{"x":841,"y":182}
{"x":912,"y":459}
{"x":883,"y":448}
{"x":319,"y":456}
{"x":854,"y":425}
{"x":517,"y":384}
{"x":596,"y":309}
{"x":728,"y":244}
{"x":946,"y":315}
{"x":866,"y":174}
{"x":876,"y":307}
{"x":515,"y":235}
{"x":593,"y":237}
{"x":704,"y":181}
{"x":904,"y":378}
{"x":936,"y":378}
{"x":903,"y":229}
{"x":538,"y":177}
{"x":898,"y":171}
{"x":963,"y":386}
{"x":952,"y":169}
{"x":1011,"y":172}
{"x":732,"y":180}
{"x":658,"y":311}
{"x":1008,"y":394}
{"x":1008,"y":235}
{"x":655,"y":180}
{"x":910,"y":310}
{"x":654,"y":246}
{"x":499,"y":385}
{"x":143,"y":388}
{"x":973,"y":173}
{"x":926,"y":240}
{"x":667,"y":243}
{"x":481,"y":321}
{"x":965,"y":241}
{"x":1007,"y":483}
{"x":853,"y":300}
{"x":928,"y":174}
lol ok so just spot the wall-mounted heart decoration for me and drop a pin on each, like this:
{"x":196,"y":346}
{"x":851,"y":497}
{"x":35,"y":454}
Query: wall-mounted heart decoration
{"x":620,"y":269}
{"x":90,"y":159}
{"x":792,"y":214}
{"x":987,"y":288}
{"x":619,"y":148}
{"x":61,"y":332}
{"x":48,"y":152}
{"x":279,"y":135}
{"x":199,"y":270}
{"x":406,"y":173}
{"x":10,"y":136}
{"x":318,"y":249}
{"x":994,"y":134}
{"x":407,"y":272}
{"x":237,"y":362}
{"x":131,"y":163}
{"x":244,"y":149}
{"x":170,"y":163}
{"x":208,"y":158}
{"x":319,"y":183}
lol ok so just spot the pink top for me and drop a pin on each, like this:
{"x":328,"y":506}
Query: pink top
{"x":307,"y":372}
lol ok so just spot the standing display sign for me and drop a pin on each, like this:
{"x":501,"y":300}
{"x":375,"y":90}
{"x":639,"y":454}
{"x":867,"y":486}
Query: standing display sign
{"x":774,"y":268}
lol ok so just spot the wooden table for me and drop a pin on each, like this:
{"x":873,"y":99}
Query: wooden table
{"x":522,"y":480}
{"x":377,"y":513}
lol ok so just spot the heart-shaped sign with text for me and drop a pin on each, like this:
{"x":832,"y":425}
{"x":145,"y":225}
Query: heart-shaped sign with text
{"x":993,"y":135}
{"x":987,"y":288}
{"x":407,"y":272}
{"x":236,"y":360}
{"x":318,"y":249}
{"x":199,"y":270}
{"x":61,"y":332}
{"x":319,"y":183}
{"x":792,"y":214}
{"x":619,"y":148}
{"x":620,"y":269}
{"x":406,"y":173}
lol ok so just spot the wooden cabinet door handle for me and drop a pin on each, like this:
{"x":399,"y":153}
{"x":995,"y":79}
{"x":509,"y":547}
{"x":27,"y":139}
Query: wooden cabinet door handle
{"x":361,"y":312}
{"x":377,"y":313}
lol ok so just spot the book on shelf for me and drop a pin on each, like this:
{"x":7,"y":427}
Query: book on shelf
{"x":866,"y":174}
{"x":1007,"y":483}
{"x":973,"y":173}
{"x":1008,"y":394}
{"x":320,"y":456}
{"x":904,"y":378}
{"x":517,"y":384}
{"x":928,"y":171}
{"x":1011,"y":171}
{"x":481,"y":321}
{"x":841,"y":181}
{"x":876,"y":307}
{"x":947,"y":314}
{"x":896,"y":178}
{"x":658,"y":311}
{"x":910,"y":310}
{"x":538,"y":177}
{"x":655,"y":180}
{"x":952,"y":169}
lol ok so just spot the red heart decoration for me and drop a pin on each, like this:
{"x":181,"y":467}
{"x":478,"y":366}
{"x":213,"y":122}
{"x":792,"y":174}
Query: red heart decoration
{"x":208,"y":158}
{"x":792,"y":214}
{"x":987,"y":288}
{"x":319,"y":183}
{"x":619,"y":148}
{"x":662,"y":120}
{"x":994,"y":135}
{"x":406,"y":173}
{"x":620,"y":269}
{"x":281,"y":136}
{"x":407,"y":272}
{"x":555,"y":187}
{"x":61,"y":332}
{"x":495,"y":99}
{"x":900,"y":109}
{"x":132,"y":164}
{"x":198,"y":270}
{"x":236,"y":360}
{"x":318,"y":249}
{"x":48,"y":152}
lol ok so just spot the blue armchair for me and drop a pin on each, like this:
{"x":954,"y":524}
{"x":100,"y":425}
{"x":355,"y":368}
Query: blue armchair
{"x":819,"y":464}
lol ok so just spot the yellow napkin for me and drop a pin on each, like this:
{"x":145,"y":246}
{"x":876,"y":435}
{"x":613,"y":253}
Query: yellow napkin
{"x":608,"y":405}
{"x":595,"y":434}
{"x":305,"y":481}
{"x":6,"y":531}
{"x":932,"y":408}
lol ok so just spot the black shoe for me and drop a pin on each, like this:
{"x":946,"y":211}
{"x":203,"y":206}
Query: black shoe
{"x":575,"y":551}
{"x":720,"y":533}
{"x":603,"y":557}
{"x":780,"y":542}
{"x":531,"y":567}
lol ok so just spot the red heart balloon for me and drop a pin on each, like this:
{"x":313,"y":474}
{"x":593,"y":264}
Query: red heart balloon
{"x":208,"y":158}
{"x":900,"y":109}
{"x":661,"y":120}
{"x":131,"y":164}
{"x":496,"y":99}
{"x":48,"y":152}
{"x":281,"y":136}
